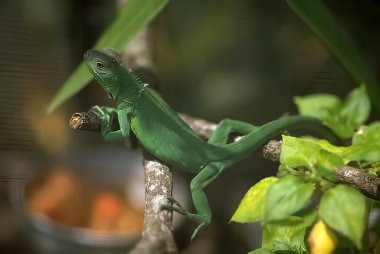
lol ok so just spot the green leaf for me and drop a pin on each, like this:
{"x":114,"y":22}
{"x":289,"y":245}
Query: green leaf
{"x":363,"y":152}
{"x":342,"y":117}
{"x":290,"y":232}
{"x":327,"y":108}
{"x":317,"y":155}
{"x":251,"y":207}
{"x":260,"y":251}
{"x":286,"y":197}
{"x":367,"y":134}
{"x":341,"y":129}
{"x":356,"y":108}
{"x":323,"y":24}
{"x":365,"y":144}
{"x":321,"y":106}
{"x":310,"y":218}
{"x":325,"y":145}
{"x":343,"y":209}
{"x":297,"y":152}
{"x":282,"y":247}
{"x":326,"y":162}
{"x":132,"y":17}
{"x":321,"y":157}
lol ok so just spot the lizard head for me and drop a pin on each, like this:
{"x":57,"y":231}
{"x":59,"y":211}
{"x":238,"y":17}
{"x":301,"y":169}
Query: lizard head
{"x":104,"y":65}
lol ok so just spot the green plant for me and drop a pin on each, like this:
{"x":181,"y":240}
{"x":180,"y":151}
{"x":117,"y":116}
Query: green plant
{"x":306,"y":195}
{"x":306,"y":185}
{"x":134,"y":15}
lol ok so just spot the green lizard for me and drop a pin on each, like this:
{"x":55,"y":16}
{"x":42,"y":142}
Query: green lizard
{"x":166,"y":136}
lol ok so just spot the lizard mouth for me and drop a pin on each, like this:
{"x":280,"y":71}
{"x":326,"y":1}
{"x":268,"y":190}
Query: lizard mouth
{"x":110,"y":96}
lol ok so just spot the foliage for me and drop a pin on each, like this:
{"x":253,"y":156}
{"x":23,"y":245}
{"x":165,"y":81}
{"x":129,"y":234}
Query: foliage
{"x":251,"y":208}
{"x":280,"y":204}
{"x":131,"y":18}
{"x":307,"y":184}
{"x":344,"y":209}
{"x":305,"y":195}
{"x":307,"y":165}
{"x":344,"y":117}
{"x":323,"y":24}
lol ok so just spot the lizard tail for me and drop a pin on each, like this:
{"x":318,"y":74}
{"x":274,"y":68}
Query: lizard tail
{"x":257,"y":138}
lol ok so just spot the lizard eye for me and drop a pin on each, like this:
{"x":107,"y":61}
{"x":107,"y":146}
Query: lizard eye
{"x":99,"y":65}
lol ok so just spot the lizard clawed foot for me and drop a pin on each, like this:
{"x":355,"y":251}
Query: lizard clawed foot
{"x":98,"y":110}
{"x":106,"y":119}
{"x":201,"y":220}
{"x":176,"y":207}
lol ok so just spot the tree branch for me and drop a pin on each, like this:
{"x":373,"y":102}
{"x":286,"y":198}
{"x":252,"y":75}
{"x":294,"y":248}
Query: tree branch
{"x":89,"y":121}
{"x":157,"y":231}
{"x":156,"y":236}
{"x":368,"y":184}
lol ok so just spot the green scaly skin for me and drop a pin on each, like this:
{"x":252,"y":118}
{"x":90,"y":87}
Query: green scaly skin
{"x":166,"y":136}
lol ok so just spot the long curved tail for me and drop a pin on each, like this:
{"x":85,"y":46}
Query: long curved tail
{"x":257,"y":138}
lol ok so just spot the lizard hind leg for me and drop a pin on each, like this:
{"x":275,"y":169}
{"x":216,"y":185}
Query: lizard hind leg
{"x":203,"y":215}
{"x":228,"y":126}
{"x":209,"y":173}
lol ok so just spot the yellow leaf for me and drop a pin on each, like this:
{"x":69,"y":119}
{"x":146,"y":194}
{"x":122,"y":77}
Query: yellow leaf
{"x":251,"y":207}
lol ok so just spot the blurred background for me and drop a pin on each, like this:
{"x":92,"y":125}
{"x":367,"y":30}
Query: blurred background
{"x":63,"y":191}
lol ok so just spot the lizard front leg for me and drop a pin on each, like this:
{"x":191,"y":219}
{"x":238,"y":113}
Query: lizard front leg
{"x":106,"y":130}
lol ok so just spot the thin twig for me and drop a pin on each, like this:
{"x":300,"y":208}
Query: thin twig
{"x":89,"y":121}
{"x":201,"y":127}
{"x":368,"y":184}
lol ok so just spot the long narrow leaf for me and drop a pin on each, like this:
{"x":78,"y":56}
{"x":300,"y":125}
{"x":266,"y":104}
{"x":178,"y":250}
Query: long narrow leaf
{"x":132,"y":17}
{"x":321,"y":21}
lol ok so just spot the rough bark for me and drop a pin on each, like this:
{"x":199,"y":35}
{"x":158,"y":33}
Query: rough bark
{"x":368,"y":184}
{"x":156,"y":236}
{"x":89,"y":121}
